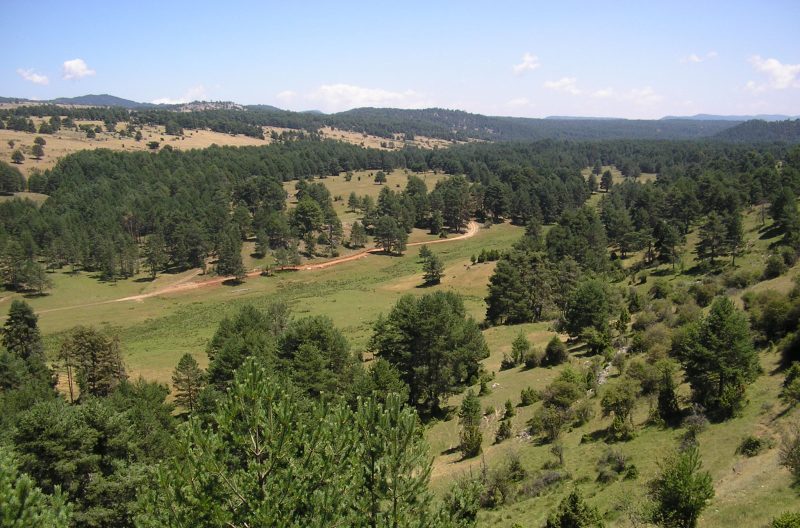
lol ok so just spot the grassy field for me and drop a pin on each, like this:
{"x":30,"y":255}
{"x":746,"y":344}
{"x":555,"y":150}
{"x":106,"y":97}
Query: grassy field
{"x":66,"y":142}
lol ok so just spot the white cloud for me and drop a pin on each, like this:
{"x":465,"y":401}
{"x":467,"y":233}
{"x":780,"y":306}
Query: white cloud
{"x":195,"y":93}
{"x":286,"y":96}
{"x":603,"y":93}
{"x":76,"y":69}
{"x":335,"y":97}
{"x":529,"y":63}
{"x":519,"y":101}
{"x":565,"y":84}
{"x":696,"y":59}
{"x":779,"y":76}
{"x":642,"y":96}
{"x":35,"y":78}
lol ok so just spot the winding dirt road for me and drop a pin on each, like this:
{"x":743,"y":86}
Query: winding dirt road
{"x":183,"y":285}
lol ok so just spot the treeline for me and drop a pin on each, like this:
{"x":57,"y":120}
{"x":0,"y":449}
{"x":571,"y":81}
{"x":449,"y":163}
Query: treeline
{"x":113,"y":211}
{"x":391,"y":123}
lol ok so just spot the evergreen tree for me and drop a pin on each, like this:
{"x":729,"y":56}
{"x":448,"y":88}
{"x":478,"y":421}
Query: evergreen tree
{"x":718,"y":358}
{"x":520,"y":348}
{"x":390,"y":236}
{"x":21,"y":335}
{"x":275,"y":459}
{"x":469,"y":419}
{"x":96,"y":358}
{"x":574,"y":512}
{"x":556,"y":352}
{"x":589,"y":306}
{"x":188,"y":381}
{"x":711,"y":242}
{"x":17,"y":156}
{"x":433,"y":268}
{"x":607,"y":180}
{"x":433,"y":344}
{"x":353,"y":202}
{"x":358,"y":235}
{"x":681,"y":491}
{"x":24,"y":505}
{"x":229,"y":261}
{"x":155,"y":255}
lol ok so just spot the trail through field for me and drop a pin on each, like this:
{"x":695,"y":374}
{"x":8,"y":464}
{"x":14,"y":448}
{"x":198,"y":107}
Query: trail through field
{"x":184,"y":285}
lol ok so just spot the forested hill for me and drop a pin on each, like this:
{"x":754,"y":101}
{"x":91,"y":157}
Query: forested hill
{"x":787,"y":131}
{"x":454,"y":125}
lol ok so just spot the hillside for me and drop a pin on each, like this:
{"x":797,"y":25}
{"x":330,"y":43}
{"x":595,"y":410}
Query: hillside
{"x":755,"y":131}
{"x":393,"y":123}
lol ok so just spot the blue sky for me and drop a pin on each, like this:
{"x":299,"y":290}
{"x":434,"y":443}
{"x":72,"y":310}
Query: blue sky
{"x":627,"y":59}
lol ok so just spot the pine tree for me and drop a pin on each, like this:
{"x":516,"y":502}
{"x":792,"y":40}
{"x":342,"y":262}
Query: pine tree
{"x":712,"y":238}
{"x":606,"y":180}
{"x":24,"y":505}
{"x":21,"y":334}
{"x":358,"y":235}
{"x":718,"y":358}
{"x":520,"y":348}
{"x":96,"y":359}
{"x":155,"y":255}
{"x":469,"y":418}
{"x":433,"y":268}
{"x":229,"y":262}
{"x":188,"y":380}
{"x":353,"y":202}
{"x":681,"y":491}
{"x":573,"y":512}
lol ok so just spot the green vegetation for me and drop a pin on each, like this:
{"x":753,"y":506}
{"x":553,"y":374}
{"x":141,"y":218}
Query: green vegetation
{"x":619,"y":323}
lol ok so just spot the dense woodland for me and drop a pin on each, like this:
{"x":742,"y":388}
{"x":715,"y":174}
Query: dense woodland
{"x":288,"y":426}
{"x":451,"y":125}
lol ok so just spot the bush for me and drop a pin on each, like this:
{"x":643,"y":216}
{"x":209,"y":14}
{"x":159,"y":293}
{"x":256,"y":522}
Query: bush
{"x":540,"y":484}
{"x":507,"y":363}
{"x":788,"y":254}
{"x":584,"y":411}
{"x":704,"y":292}
{"x":534,"y":358}
{"x":774,"y":267}
{"x":751,"y":446}
{"x":528,"y":396}
{"x":504,"y":432}
{"x":786,"y":520}
{"x":509,"y":410}
{"x":556,"y":352}
{"x":740,"y":279}
{"x":660,"y":289}
{"x":790,"y":452}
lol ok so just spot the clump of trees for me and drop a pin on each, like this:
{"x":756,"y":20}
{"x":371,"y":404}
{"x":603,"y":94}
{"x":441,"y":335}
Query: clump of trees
{"x":433,"y":344}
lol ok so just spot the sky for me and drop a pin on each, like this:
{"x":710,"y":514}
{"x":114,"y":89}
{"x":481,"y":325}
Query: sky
{"x":629,"y":59}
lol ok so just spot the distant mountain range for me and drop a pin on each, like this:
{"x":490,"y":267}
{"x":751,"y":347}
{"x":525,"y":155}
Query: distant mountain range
{"x":741,"y":118}
{"x":452,"y":125}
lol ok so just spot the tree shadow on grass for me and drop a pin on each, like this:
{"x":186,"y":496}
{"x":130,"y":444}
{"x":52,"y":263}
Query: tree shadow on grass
{"x":232,"y":282}
{"x":144,"y":279}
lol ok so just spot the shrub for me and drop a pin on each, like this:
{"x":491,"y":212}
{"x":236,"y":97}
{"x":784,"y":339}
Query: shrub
{"x":788,"y":254}
{"x":528,"y":396}
{"x":556,"y":352}
{"x":584,"y":411}
{"x":509,"y":410}
{"x":507,"y":363}
{"x":774,"y":267}
{"x":750,"y":446}
{"x":540,"y":484}
{"x":503,"y":432}
{"x":533,"y":358}
{"x":704,"y":292}
{"x":786,"y":520}
{"x":790,"y":452}
{"x":573,"y":511}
